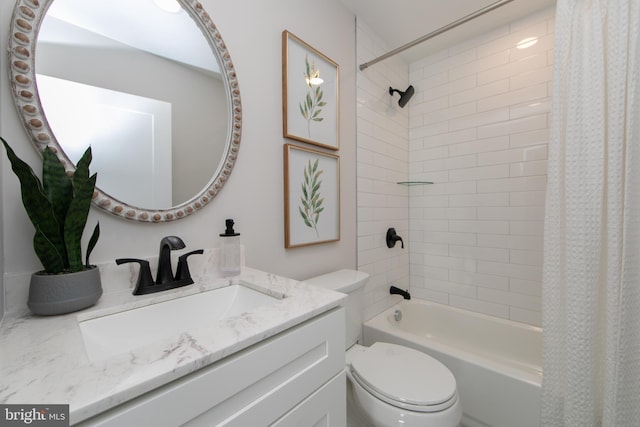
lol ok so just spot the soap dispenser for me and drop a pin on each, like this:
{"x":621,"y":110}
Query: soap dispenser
{"x":230,"y":251}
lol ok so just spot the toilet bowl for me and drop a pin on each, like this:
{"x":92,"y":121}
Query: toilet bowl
{"x":390,"y":384}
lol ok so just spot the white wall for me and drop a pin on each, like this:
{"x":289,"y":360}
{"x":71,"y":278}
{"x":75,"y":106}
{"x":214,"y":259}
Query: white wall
{"x":254,"y":194}
{"x":479,"y":129}
{"x":383,"y":141}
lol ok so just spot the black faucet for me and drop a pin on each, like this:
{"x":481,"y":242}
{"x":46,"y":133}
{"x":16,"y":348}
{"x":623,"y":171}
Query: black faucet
{"x":165,"y":279}
{"x":165,"y":273}
{"x":397,"y":291}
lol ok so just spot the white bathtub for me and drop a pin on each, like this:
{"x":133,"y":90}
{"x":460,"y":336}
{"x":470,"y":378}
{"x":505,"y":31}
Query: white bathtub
{"x":496,"y":362}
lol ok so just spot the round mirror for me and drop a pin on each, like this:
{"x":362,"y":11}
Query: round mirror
{"x":160,"y":109}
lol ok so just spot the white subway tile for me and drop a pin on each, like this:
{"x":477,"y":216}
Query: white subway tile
{"x":485,"y":307}
{"x":524,"y":154}
{"x":468,"y":239}
{"x":530,"y":228}
{"x":430,"y":201}
{"x":508,"y":127}
{"x":429,"y":295}
{"x":545,"y":43}
{"x":439,"y":249}
{"x":530,"y":108}
{"x":480,"y":120}
{"x":457,"y":111}
{"x":433,"y":80}
{"x":481,"y":39}
{"x":493,"y":240}
{"x":524,"y":286}
{"x":478,"y":93}
{"x":511,"y":270}
{"x":429,"y":130}
{"x":466,"y":226}
{"x":529,"y":243}
{"x":477,"y":253}
{"x":435,"y":273}
{"x":440,"y":152}
{"x":480,"y":146}
{"x":450,"y":288}
{"x":509,"y":41}
{"x":429,"y":106}
{"x":426,"y":65}
{"x":504,"y":72}
{"x":529,"y":168}
{"x":479,"y":173}
{"x":454,"y":60}
{"x":512,"y":213}
{"x":465,"y":212}
{"x":478,"y":279}
{"x":527,"y":183}
{"x":461,"y":162}
{"x":437,"y":225}
{"x":532,"y":78}
{"x":517,"y":256}
{"x":524,"y":139}
{"x":450,"y":138}
{"x":452,"y":263}
{"x":465,"y":187}
{"x":527,"y":198}
{"x":485,"y":199}
{"x":512,"y":97}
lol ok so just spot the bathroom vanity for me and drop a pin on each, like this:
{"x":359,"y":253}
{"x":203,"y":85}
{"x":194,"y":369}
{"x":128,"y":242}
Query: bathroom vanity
{"x":270,"y":354}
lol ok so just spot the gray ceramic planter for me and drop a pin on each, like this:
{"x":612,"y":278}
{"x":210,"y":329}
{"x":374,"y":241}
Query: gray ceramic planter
{"x":51,"y":294}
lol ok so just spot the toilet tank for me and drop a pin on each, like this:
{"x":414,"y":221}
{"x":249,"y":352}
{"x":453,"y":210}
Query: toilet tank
{"x":350,"y":282}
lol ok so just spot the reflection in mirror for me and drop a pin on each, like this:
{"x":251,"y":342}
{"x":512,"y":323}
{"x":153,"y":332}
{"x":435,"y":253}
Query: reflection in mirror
{"x":162,"y":117}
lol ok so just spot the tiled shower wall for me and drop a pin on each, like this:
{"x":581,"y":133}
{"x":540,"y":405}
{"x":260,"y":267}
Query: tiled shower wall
{"x":382,"y":161}
{"x":479,"y":129}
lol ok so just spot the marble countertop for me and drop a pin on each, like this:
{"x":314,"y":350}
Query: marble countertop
{"x":43,"y":359}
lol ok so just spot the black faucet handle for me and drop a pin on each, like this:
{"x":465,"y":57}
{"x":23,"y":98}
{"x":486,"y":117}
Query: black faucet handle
{"x":145,"y":280}
{"x":183,"y":273}
{"x":392,"y":238}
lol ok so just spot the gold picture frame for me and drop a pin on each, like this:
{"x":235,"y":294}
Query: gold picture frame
{"x":311,"y":196}
{"x":310,"y":94}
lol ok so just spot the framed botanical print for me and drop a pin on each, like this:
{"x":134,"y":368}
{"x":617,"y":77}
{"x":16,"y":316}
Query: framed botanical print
{"x":310,"y":99}
{"x":311,"y":196}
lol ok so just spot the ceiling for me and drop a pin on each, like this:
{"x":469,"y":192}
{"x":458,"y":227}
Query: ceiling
{"x":399,"y":22}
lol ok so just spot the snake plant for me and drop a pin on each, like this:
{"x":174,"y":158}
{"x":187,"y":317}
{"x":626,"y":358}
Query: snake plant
{"x":58,"y":207}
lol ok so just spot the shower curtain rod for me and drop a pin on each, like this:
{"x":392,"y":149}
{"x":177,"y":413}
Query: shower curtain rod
{"x":439,"y":31}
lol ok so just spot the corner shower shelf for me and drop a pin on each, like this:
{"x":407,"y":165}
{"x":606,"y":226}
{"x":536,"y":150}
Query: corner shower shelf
{"x":410,"y":183}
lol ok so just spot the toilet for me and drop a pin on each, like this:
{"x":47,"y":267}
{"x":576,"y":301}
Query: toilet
{"x":388,"y":384}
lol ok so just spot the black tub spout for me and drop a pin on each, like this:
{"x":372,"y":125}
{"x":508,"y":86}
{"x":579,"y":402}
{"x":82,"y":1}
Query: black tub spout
{"x":397,"y":291}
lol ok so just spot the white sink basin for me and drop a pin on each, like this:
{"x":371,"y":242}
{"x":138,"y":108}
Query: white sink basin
{"x":121,"y":332}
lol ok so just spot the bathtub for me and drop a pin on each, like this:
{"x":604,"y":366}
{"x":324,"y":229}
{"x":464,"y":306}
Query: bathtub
{"x":496,"y":362}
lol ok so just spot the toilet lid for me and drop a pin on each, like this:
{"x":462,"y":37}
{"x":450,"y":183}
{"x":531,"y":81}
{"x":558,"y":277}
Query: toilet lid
{"x":405,"y":377}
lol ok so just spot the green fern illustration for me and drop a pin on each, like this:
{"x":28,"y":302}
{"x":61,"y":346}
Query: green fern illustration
{"x":311,"y":107}
{"x":311,"y":200}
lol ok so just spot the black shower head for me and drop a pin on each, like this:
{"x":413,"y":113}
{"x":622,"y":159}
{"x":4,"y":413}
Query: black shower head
{"x":404,"y":96}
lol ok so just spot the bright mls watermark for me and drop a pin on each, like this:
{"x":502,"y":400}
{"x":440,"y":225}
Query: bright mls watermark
{"x":34,"y":415}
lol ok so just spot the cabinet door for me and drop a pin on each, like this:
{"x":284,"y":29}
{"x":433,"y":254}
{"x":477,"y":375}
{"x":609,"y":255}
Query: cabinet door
{"x":327,"y":407}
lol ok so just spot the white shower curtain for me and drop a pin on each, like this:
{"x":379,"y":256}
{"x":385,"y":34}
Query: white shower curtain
{"x":591,"y":279}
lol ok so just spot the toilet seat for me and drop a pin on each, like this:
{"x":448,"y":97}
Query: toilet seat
{"x":404,"y":378}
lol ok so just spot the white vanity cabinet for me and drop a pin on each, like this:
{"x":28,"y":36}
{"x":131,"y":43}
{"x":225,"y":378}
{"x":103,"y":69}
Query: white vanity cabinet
{"x":295,"y":378}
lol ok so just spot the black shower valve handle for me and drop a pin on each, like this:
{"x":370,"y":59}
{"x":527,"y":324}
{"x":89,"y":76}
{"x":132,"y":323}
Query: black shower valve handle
{"x":392,"y":238}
